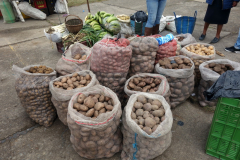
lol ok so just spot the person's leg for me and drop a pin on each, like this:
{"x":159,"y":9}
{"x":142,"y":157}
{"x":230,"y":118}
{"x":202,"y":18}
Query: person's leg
{"x":203,"y":35}
{"x":206,"y":25}
{"x":219,"y":29}
{"x":161,"y":6}
{"x":237,"y":44}
{"x":217,"y":37}
{"x":152,"y":7}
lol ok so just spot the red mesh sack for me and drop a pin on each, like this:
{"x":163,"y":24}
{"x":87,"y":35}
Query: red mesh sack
{"x":166,"y":50}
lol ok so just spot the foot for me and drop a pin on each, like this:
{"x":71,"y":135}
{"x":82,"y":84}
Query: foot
{"x":215,"y":40}
{"x":232,"y":49}
{"x":202,"y":37}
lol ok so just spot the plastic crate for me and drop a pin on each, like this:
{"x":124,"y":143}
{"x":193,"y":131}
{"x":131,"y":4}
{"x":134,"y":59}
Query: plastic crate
{"x":224,"y":137}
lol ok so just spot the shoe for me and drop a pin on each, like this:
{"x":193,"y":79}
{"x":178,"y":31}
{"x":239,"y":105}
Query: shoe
{"x":232,"y":49}
{"x":215,"y":40}
{"x":148,"y":31}
{"x":202,"y":37}
{"x":155,"y":29}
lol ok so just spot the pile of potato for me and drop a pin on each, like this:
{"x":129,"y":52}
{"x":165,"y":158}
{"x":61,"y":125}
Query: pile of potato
{"x":72,"y":82}
{"x":33,"y":92}
{"x":93,"y":105}
{"x":80,"y":57}
{"x":197,"y":63}
{"x":148,"y":114}
{"x":95,"y":138}
{"x":203,"y":86}
{"x":144,"y":50}
{"x":201,"y":49}
{"x":62,"y":109}
{"x":181,"y":89}
{"x":219,"y":68}
{"x":144,"y":84}
{"x":177,"y":63}
{"x":40,"y":69}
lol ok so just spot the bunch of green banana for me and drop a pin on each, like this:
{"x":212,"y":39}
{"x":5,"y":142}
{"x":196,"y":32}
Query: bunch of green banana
{"x":102,"y":34}
{"x":93,"y":21}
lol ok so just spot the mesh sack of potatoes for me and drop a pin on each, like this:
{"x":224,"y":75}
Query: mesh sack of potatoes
{"x":210,"y":72}
{"x":110,"y":56}
{"x":64,"y":87}
{"x":110,"y":62}
{"x":147,"y":123}
{"x":76,"y":58}
{"x":147,"y":82}
{"x":144,"y":50}
{"x":93,"y":119}
{"x":179,"y":73}
{"x":32,"y":87}
{"x":166,"y":50}
{"x":199,"y":51}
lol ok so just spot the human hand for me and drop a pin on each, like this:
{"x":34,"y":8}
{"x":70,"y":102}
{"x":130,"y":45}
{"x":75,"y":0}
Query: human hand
{"x":234,"y":3}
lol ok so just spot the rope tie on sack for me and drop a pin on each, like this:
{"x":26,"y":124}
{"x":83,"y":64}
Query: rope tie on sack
{"x":135,"y":147}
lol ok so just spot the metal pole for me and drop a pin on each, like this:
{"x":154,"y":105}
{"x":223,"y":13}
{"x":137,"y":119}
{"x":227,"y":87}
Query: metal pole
{"x":88,"y":6}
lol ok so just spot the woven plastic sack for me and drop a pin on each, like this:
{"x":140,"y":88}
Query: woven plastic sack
{"x":163,"y":23}
{"x":33,"y":92}
{"x":126,"y":28}
{"x":61,"y":97}
{"x":178,"y":48}
{"x":67,"y":65}
{"x":163,"y":88}
{"x":196,"y":56}
{"x":181,"y":82}
{"x":143,"y":55}
{"x":30,"y":11}
{"x":95,"y":138}
{"x":209,"y":77}
{"x":137,"y":144}
{"x":166,"y":50}
{"x":188,"y":39}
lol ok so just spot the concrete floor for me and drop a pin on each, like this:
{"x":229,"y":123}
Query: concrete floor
{"x":23,"y":44}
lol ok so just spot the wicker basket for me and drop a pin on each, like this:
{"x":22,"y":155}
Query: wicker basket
{"x":74,"y":25}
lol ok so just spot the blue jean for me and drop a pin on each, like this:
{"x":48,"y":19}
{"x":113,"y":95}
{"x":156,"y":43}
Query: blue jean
{"x":155,"y":10}
{"x":237,"y":44}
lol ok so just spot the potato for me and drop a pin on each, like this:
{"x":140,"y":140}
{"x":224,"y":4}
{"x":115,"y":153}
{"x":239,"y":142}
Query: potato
{"x":103,"y":110}
{"x":139,"y":112}
{"x":148,"y":130}
{"x":142,"y":99}
{"x":96,"y":113}
{"x":98,"y":106}
{"x":154,"y":107}
{"x":154,"y":128}
{"x":150,"y":122}
{"x":109,"y":107}
{"x":156,"y":102}
{"x":133,"y":115}
{"x":147,"y":107}
{"x":145,"y":115}
{"x":135,"y":81}
{"x":138,"y":105}
{"x":89,"y":102}
{"x":90,"y":112}
{"x":141,"y":121}
{"x":132,"y":85}
{"x":157,"y":120}
{"x":158,"y":113}
{"x":162,"y":118}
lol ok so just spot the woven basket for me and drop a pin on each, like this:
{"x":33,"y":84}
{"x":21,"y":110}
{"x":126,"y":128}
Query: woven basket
{"x":185,"y":24}
{"x":74,"y":25}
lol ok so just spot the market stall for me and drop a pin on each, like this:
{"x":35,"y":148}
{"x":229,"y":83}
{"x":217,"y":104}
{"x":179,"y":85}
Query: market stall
{"x":109,"y":75}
